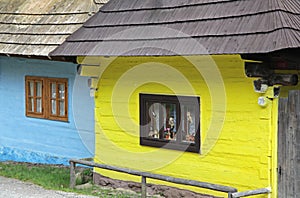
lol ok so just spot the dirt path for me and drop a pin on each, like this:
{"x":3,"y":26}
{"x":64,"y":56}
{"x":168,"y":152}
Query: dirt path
{"x":12,"y":188}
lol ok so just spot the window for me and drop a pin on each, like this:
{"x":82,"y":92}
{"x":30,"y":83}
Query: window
{"x":171,"y":122}
{"x":47,"y":98}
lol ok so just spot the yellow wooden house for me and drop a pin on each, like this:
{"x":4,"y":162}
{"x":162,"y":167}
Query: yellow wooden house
{"x":190,"y":89}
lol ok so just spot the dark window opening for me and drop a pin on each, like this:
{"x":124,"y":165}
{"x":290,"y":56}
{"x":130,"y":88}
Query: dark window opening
{"x":171,"y":122}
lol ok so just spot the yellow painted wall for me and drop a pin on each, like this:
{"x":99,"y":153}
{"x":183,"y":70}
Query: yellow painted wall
{"x":236,"y":133}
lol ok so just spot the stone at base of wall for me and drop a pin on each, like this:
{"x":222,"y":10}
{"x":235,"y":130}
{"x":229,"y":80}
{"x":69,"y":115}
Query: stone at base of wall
{"x":164,"y":191}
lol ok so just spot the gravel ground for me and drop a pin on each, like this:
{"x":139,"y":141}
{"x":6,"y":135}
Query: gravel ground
{"x":12,"y":188}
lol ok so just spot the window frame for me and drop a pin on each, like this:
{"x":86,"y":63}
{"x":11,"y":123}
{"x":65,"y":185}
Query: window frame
{"x":179,"y":101}
{"x":34,"y":113}
{"x":57,"y":99}
{"x":46,"y":98}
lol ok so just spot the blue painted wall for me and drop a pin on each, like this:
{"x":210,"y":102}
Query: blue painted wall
{"x":38,"y":140}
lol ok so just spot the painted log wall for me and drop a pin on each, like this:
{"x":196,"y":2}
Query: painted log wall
{"x":237,"y":152}
{"x":39,"y":140}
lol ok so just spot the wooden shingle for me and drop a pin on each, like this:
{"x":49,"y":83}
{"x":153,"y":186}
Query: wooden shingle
{"x":172,"y":27}
{"x":35,"y":28}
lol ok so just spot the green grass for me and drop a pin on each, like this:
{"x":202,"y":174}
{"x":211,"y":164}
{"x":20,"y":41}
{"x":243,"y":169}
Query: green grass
{"x":53,"y":177}
{"x":49,"y":177}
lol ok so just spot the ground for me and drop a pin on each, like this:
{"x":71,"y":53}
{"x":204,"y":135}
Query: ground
{"x":162,"y":191}
{"x":14,"y":188}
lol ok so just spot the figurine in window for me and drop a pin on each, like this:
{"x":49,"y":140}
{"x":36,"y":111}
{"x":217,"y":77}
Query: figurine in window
{"x":172,"y":127}
{"x":171,"y":123}
{"x":153,"y":125}
{"x":190,"y":136}
{"x":167,"y":134}
{"x":189,"y":117}
{"x":153,"y":133}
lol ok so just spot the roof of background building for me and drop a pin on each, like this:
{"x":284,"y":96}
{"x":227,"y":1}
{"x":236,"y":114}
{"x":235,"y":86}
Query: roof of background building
{"x":172,"y":27}
{"x":36,"y":27}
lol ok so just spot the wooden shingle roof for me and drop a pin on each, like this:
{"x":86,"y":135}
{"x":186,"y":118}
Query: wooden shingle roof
{"x":187,"y":27}
{"x":36,"y":27}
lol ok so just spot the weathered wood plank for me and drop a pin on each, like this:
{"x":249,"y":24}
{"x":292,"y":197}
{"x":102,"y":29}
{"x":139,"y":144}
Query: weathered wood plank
{"x":144,"y":187}
{"x":293,"y":107}
{"x":288,"y":146}
{"x":282,"y":142}
{"x":251,"y":192}
{"x":290,"y":189}
{"x":72,"y":174}
{"x":297,"y":143}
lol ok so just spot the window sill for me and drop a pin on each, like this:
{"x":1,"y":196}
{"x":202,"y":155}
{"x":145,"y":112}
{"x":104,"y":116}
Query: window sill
{"x":48,"y":119}
{"x":170,"y":144}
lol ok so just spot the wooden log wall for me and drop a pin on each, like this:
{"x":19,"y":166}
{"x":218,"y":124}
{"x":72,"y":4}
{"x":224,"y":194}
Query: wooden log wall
{"x":289,"y":146}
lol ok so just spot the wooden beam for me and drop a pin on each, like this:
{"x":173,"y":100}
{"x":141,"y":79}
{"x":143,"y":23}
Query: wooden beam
{"x":210,"y":186}
{"x":251,"y":192}
{"x":72,"y":174}
{"x":144,"y":187}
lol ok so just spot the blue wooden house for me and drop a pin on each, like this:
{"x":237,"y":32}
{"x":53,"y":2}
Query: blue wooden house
{"x":39,"y":121}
